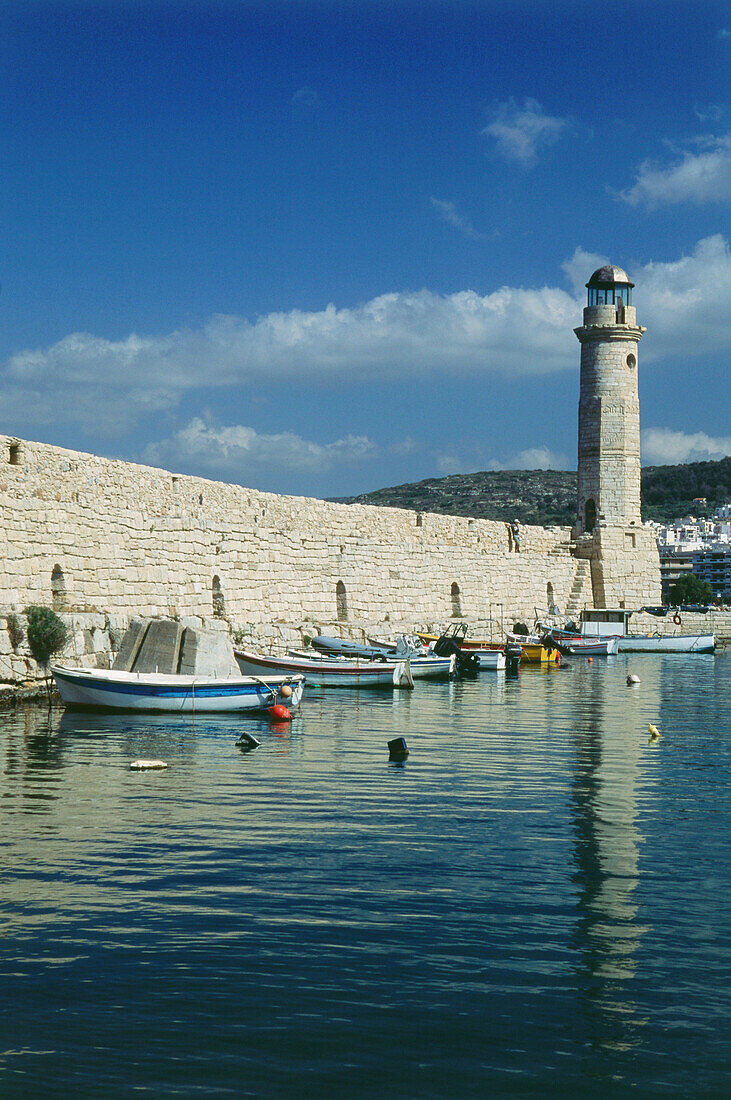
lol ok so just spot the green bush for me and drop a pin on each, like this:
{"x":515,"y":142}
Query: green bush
{"x":47,"y":634}
{"x":15,"y":630}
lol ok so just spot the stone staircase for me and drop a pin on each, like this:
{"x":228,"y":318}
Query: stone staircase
{"x":581,"y":594}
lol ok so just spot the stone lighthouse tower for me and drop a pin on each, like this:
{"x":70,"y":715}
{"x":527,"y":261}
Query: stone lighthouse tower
{"x":625,"y":567}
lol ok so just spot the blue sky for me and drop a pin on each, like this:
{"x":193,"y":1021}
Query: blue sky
{"x":322,"y":247}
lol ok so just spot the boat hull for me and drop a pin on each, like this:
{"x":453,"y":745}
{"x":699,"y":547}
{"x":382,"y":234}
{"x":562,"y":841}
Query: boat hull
{"x":589,"y":647}
{"x":670,"y":643}
{"x":491,"y":660}
{"x":155,"y":692}
{"x":324,"y":672}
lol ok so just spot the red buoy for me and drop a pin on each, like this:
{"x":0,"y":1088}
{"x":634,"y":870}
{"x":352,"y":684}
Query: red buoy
{"x":279,"y":713}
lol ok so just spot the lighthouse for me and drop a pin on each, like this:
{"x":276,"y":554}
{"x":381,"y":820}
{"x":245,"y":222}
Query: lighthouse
{"x":624,"y":561}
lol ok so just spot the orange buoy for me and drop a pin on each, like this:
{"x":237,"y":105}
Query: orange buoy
{"x":590,"y":659}
{"x":279,"y":713}
{"x":285,"y":691}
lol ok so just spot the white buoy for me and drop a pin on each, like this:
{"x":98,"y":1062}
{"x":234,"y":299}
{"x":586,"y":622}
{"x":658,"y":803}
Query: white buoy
{"x":146,"y":765}
{"x":633,"y":679}
{"x":655,"y":734}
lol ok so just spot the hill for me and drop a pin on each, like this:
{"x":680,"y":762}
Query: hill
{"x":548,"y":497}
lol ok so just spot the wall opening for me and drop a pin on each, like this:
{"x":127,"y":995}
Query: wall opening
{"x":630,"y":539}
{"x":14,"y":453}
{"x":419,"y":519}
{"x":341,"y":602}
{"x":219,"y":602}
{"x":456,"y":601}
{"x":59,"y":595}
{"x":590,"y":515}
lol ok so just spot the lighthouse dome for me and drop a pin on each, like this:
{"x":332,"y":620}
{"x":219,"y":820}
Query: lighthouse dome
{"x":608,"y":275}
{"x":609,"y":285}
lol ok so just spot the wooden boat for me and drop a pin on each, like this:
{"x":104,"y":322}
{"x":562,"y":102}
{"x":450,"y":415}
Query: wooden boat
{"x":585,"y":647}
{"x":426,"y":666}
{"x":329,"y":672}
{"x":156,"y":691}
{"x":374,"y":650}
{"x":614,"y":622}
{"x":532,"y":652}
{"x":667,"y":643}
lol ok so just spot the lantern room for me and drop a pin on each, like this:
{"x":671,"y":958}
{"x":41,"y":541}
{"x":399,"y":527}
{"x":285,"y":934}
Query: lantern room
{"x":608,"y":286}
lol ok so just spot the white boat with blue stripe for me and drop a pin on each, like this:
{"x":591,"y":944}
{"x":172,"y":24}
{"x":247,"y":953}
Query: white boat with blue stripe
{"x":103,"y":689}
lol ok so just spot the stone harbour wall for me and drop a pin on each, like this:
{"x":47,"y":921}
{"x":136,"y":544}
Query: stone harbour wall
{"x":88,"y":535}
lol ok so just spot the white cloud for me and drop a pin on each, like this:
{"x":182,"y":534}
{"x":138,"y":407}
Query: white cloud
{"x":448,"y":213}
{"x":581,"y":265}
{"x":519,"y":132}
{"x":699,"y":177}
{"x":532,"y":458}
{"x":235,"y":452}
{"x":664,"y":447}
{"x":110,"y":386}
{"x":686,"y":304}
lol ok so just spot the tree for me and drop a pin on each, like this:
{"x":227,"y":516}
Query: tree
{"x":47,"y":635}
{"x":690,"y":589}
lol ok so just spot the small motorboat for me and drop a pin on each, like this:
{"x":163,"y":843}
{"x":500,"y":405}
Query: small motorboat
{"x":322,"y":671}
{"x":424,"y":666}
{"x":374,"y":650}
{"x":583,"y":647}
{"x":107,"y":689}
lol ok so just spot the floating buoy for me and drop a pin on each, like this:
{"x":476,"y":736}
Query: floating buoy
{"x":590,"y":659}
{"x":557,"y":658}
{"x":285,"y":691}
{"x":248,"y":741}
{"x":279,"y":713}
{"x":633,"y":679}
{"x":397,"y":749}
{"x":655,"y":734}
{"x":147,"y":765}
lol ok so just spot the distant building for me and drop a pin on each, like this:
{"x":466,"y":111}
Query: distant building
{"x":714,"y":566}
{"x":698,"y":545}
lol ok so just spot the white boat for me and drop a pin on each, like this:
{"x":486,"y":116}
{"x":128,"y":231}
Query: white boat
{"x":157,"y":691}
{"x":614,"y":622}
{"x":329,"y":671}
{"x":491,"y":659}
{"x":667,"y":643}
{"x":586,"y":647}
{"x":426,"y":666}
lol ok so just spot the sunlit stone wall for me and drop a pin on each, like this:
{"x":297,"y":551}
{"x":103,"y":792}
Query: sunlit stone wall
{"x":88,"y":534}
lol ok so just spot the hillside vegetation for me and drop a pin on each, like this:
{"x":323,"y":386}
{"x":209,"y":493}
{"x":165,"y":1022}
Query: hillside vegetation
{"x":548,"y":497}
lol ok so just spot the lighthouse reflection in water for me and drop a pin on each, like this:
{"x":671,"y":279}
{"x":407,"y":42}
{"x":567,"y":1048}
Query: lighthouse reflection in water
{"x":534,"y":901}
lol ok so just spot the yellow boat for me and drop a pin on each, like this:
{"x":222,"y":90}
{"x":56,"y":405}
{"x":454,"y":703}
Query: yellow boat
{"x":533,"y":653}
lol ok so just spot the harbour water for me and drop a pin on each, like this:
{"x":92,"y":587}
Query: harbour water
{"x":535,"y":903}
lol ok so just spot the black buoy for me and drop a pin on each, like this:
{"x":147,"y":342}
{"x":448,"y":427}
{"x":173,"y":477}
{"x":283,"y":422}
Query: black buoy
{"x":397,"y":749}
{"x":248,"y":741}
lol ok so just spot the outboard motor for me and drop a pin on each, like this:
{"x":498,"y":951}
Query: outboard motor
{"x":468,"y":664}
{"x":513,"y":652}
